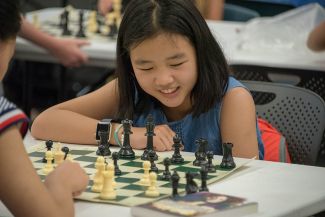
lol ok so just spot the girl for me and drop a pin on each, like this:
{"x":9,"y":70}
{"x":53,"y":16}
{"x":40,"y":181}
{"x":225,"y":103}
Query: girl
{"x":169,"y":65}
{"x":21,"y":190}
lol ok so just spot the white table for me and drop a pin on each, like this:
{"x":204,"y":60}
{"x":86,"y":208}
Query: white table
{"x":280,"y":190}
{"x":103,"y":54}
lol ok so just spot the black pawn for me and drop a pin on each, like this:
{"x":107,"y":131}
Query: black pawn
{"x":204,"y":177}
{"x":210,"y":167}
{"x":227,"y":159}
{"x":66,"y":151}
{"x":166,"y":174}
{"x":177,"y":157}
{"x":49,"y":145}
{"x":117,"y":170}
{"x":65,"y":23}
{"x":175,"y":180}
{"x":150,"y":126}
{"x":191,"y":186}
{"x":81,"y":32}
{"x":126,"y":152}
{"x":153,"y":167}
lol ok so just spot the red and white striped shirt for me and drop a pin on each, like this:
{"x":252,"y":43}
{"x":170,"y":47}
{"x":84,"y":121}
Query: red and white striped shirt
{"x":11,"y":115}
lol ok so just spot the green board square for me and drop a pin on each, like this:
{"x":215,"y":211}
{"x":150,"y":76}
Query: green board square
{"x":117,"y":199}
{"x":36,"y":154}
{"x":222,"y":169}
{"x":133,"y":164}
{"x":187,"y":169}
{"x":169,"y":185}
{"x":144,"y":195}
{"x":126,"y":179}
{"x":86,"y":159}
{"x":135,"y":187}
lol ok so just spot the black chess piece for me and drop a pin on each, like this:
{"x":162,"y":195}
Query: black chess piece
{"x":66,"y":151}
{"x":113,"y":30}
{"x":175,"y":180}
{"x":99,"y":24}
{"x":177,"y":157}
{"x":103,"y":145}
{"x":191,"y":186}
{"x":117,"y":170}
{"x":126,"y":152}
{"x":81,"y":32}
{"x":153,"y":167}
{"x":204,"y":177}
{"x":150,"y":126}
{"x":200,"y":154}
{"x":49,"y":146}
{"x":227,"y":158}
{"x":166,"y":174}
{"x":210,"y":166}
{"x":65,"y":23}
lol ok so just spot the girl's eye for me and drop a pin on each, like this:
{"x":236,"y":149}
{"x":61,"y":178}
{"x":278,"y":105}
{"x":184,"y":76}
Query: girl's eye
{"x":175,"y":65}
{"x":146,"y":69}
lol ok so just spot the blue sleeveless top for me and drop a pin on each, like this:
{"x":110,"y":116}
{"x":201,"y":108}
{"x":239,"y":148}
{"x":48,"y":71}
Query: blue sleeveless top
{"x":190,"y":128}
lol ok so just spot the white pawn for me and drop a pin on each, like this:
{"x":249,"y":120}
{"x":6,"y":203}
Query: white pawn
{"x":98,"y":177}
{"x":110,"y":168}
{"x":145,"y":178}
{"x":108,"y":192}
{"x":58,"y":154}
{"x":152,"y":189}
{"x":48,"y":166}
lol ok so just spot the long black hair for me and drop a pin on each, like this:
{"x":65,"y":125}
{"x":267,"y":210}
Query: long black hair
{"x":9,"y":19}
{"x":144,"y":19}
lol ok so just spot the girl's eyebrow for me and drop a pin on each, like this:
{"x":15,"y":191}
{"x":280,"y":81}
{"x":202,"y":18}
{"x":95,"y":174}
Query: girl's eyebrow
{"x":175,"y":56}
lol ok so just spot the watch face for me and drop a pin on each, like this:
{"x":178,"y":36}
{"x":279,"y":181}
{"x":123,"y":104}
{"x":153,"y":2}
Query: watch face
{"x":103,"y":125}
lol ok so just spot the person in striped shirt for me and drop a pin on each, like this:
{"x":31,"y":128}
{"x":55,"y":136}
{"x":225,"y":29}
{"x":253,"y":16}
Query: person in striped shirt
{"x":21,"y":190}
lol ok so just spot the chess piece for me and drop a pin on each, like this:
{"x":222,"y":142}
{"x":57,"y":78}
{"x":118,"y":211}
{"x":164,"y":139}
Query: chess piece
{"x":200,"y":154}
{"x":191,"y":186}
{"x":153,"y":167}
{"x":65,"y":23}
{"x":103,"y":145}
{"x":210,"y":167}
{"x":92,"y":25}
{"x":126,"y":151}
{"x":58,"y":153}
{"x":66,"y":152}
{"x":150,"y":126}
{"x":108,"y":192}
{"x":166,"y":174}
{"x":49,"y":145}
{"x":145,"y":179}
{"x":110,"y":168}
{"x":204,"y":177}
{"x":115,"y":158}
{"x":175,"y":180}
{"x":36,"y":22}
{"x":177,"y":157}
{"x":152,"y":189}
{"x":227,"y":159}
{"x":49,"y":165}
{"x":98,"y":177}
{"x":81,"y":32}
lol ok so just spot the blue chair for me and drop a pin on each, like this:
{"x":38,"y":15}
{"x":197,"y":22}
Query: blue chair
{"x":238,"y":13}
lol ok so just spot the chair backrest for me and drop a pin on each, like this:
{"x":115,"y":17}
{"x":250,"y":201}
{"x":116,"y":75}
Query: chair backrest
{"x":238,"y":13}
{"x":298,"y":113}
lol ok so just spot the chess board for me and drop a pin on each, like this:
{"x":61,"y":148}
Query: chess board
{"x":128,"y":190}
{"x":51,"y":25}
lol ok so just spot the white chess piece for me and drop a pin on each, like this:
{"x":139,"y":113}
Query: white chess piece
{"x":98,"y":177}
{"x":58,"y":154}
{"x":145,"y":178}
{"x":110,"y":168}
{"x":152,"y":189}
{"x":48,"y":166}
{"x":108,"y":192}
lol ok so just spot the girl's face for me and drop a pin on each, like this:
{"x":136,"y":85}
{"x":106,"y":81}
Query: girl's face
{"x":7,"y":49}
{"x":165,"y":67}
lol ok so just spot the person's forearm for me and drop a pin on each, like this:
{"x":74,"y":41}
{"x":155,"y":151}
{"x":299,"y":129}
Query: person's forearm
{"x":65,"y":126}
{"x":215,"y":10}
{"x":31,"y":33}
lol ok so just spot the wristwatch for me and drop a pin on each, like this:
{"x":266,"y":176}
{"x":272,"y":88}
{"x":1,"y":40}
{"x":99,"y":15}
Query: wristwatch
{"x":104,"y":125}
